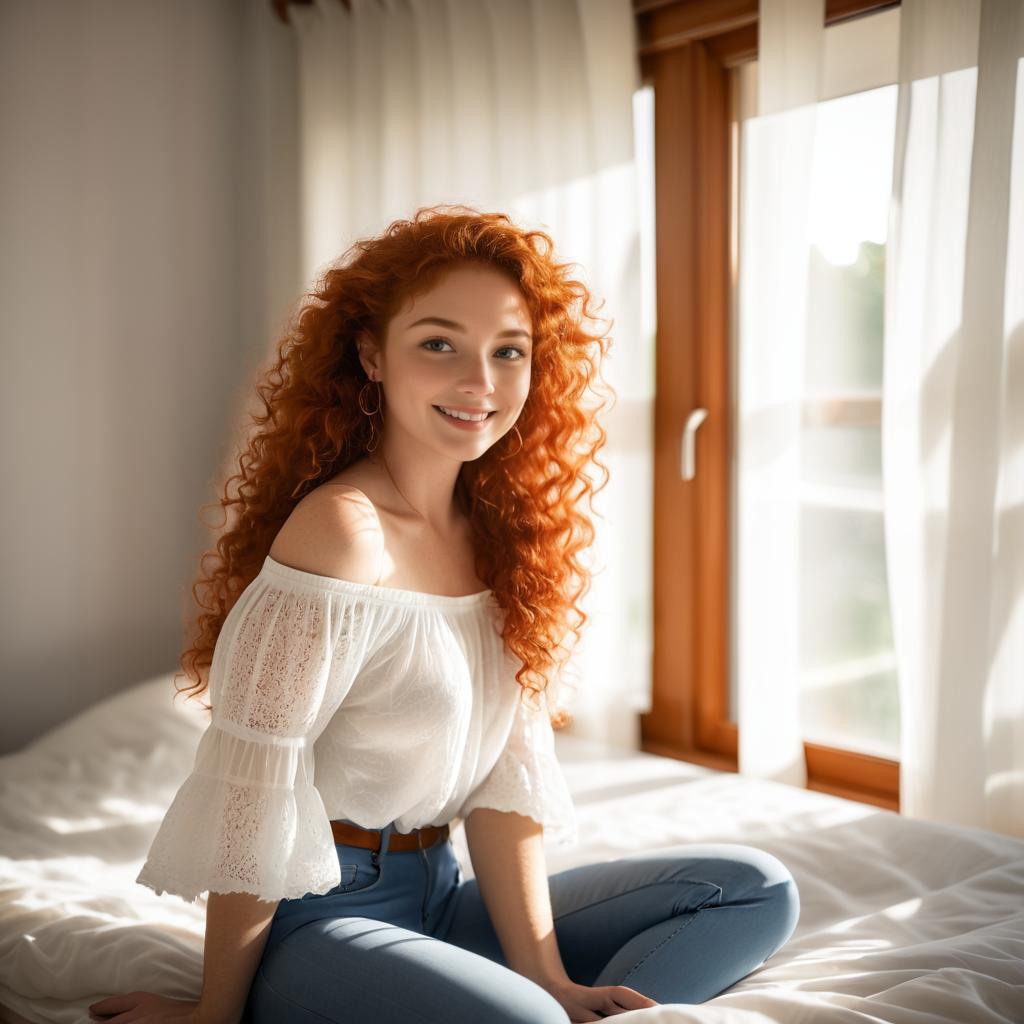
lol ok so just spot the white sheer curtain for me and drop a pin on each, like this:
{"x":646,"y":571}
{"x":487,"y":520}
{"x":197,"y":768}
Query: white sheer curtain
{"x":774,"y":240}
{"x":953,"y":411}
{"x":524,"y":107}
{"x":953,"y":403}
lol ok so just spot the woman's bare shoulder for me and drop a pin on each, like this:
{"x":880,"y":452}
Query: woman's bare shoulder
{"x":333,"y":531}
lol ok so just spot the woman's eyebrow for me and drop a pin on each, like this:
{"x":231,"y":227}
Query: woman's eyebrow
{"x":453,"y":326}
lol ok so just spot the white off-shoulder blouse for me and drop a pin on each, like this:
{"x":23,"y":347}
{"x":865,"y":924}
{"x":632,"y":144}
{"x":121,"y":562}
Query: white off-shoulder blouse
{"x":334,"y":699}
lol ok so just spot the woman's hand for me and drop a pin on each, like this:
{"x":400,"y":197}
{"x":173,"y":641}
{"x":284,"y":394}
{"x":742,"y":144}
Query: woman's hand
{"x":587,"y":1003}
{"x":144,"y":1008}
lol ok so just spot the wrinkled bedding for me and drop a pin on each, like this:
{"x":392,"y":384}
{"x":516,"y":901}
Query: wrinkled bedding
{"x":901,"y":921}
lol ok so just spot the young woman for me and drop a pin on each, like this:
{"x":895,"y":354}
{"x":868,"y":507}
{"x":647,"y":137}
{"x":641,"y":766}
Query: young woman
{"x":383,"y":619}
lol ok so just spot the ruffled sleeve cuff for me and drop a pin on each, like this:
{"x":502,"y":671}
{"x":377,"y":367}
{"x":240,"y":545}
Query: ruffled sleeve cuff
{"x":225,"y":832}
{"x":528,"y":780}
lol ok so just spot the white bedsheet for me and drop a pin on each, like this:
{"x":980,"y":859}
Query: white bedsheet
{"x":901,"y":921}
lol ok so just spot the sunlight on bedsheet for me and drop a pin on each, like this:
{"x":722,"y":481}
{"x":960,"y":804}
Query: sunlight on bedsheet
{"x":119,"y":810}
{"x":902,"y":911}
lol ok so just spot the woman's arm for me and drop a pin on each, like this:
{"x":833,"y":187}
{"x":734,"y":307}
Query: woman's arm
{"x":508,"y":860}
{"x":237,"y":927}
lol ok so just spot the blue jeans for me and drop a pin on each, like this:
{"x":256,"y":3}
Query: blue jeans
{"x":405,"y":937}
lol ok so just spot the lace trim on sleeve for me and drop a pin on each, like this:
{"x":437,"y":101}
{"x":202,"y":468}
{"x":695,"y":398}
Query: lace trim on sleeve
{"x":248,"y":818}
{"x":527,"y":779}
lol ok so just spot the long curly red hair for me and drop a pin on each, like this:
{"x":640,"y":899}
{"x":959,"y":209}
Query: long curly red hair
{"x":523,"y":502}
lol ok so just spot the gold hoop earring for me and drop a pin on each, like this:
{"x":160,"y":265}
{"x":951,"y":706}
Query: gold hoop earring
{"x":362,"y":391}
{"x":370,"y":413}
{"x":509,"y":455}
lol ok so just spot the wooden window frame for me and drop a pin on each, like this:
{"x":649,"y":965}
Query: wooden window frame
{"x":686,"y":49}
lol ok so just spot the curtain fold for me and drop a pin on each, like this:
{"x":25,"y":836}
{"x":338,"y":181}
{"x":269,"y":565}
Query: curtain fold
{"x":952,"y":403}
{"x":524,"y":107}
{"x":953,"y":411}
{"x":778,"y":147}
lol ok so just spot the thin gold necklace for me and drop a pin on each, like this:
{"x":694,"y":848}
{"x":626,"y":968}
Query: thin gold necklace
{"x":404,"y":498}
{"x":397,"y":488}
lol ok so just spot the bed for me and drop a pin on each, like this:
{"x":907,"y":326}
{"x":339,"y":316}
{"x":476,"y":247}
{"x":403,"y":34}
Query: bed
{"x":901,"y":920}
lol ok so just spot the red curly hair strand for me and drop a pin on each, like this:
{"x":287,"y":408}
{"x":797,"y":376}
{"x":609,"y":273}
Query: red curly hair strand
{"x":523,"y":502}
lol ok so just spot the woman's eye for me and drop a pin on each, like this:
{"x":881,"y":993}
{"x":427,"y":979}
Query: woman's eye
{"x":504,"y":348}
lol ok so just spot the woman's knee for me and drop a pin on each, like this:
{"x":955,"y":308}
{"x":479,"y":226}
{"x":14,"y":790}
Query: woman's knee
{"x":748,"y":874}
{"x":744,"y":870}
{"x":768,"y":880}
{"x":787,"y":897}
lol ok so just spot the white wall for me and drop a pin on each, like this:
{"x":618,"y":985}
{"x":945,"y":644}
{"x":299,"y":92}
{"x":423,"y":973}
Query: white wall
{"x":148,"y":233}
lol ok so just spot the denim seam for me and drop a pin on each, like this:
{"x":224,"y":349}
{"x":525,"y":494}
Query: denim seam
{"x":628,"y":892}
{"x":636,"y":967}
{"x":291,"y":1002}
{"x":427,"y":891}
{"x":411,"y":1012}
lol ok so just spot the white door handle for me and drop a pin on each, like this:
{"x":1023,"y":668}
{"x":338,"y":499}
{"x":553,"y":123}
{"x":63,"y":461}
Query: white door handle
{"x":689,"y":460}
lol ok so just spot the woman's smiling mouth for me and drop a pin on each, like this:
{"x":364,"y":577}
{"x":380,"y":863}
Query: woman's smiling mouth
{"x":464,"y":424}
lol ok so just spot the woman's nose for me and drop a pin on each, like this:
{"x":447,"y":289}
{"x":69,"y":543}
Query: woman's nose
{"x":478,"y":377}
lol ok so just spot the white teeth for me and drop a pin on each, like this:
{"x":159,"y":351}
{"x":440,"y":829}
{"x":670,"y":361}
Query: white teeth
{"x":464,"y":415}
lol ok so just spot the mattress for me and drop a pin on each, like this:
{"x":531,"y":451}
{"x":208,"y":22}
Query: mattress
{"x":903,"y":921}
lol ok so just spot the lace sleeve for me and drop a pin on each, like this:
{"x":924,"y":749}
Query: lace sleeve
{"x":527,"y":778}
{"x":248,"y":818}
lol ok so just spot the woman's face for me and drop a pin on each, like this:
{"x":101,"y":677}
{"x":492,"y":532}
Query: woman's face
{"x":466,"y":345}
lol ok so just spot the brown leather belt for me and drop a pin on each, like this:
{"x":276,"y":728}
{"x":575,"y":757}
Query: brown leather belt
{"x":369,"y":838}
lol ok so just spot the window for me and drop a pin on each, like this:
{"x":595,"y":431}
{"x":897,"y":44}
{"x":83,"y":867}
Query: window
{"x":848,"y":677}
